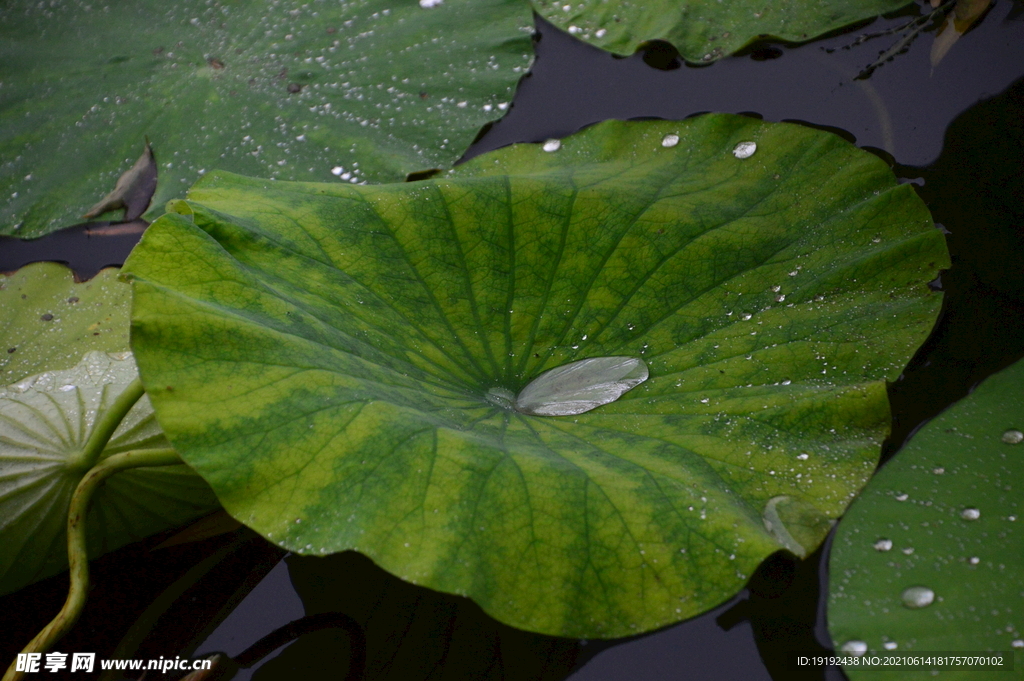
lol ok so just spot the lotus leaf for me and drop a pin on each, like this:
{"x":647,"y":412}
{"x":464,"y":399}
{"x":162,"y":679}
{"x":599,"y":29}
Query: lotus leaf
{"x":705,"y":31}
{"x":931,"y":556}
{"x":323,"y":355}
{"x":369,"y":90}
{"x":48,"y":321}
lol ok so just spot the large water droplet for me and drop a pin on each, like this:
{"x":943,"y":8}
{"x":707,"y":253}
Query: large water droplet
{"x":578,"y":387}
{"x":552,"y":145}
{"x":744,"y":149}
{"x":855,"y":648}
{"x":970,"y":514}
{"x":1013,"y":437}
{"x":917,"y":597}
{"x":670,"y":140}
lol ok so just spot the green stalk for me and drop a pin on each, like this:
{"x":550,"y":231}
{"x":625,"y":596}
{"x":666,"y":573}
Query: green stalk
{"x":78,"y":557}
{"x":107,"y":424}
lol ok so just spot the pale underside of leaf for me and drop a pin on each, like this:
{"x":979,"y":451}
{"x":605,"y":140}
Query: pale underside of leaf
{"x":45,"y":421}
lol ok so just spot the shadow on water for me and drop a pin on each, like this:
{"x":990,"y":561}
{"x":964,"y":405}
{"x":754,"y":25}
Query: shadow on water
{"x":86,"y":248}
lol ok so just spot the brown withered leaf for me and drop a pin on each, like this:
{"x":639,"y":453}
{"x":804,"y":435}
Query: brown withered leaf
{"x":133,"y":191}
{"x":963,"y":16}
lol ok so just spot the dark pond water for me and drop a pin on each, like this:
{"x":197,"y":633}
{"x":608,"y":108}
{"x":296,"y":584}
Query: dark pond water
{"x":956,"y":131}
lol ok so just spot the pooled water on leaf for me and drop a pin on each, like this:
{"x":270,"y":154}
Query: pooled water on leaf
{"x":744,"y":149}
{"x":917,"y":597}
{"x":578,"y":387}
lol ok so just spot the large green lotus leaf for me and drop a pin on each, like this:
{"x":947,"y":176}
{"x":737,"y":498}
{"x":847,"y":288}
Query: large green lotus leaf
{"x":944,"y":519}
{"x":48,"y":321}
{"x":326,"y":356}
{"x":370,"y":89}
{"x":704,"y":31}
{"x":45,"y":421}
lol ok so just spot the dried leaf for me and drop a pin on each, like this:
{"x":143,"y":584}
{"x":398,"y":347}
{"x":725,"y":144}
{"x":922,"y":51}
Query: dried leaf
{"x":965,"y":13}
{"x":133,"y":191}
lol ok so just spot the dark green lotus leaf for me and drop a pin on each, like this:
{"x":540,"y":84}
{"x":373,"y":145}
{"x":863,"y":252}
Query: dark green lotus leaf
{"x":328,"y":357}
{"x":370,"y":90}
{"x":940,"y":527}
{"x":704,"y":31}
{"x":45,"y":421}
{"x":48,"y":321}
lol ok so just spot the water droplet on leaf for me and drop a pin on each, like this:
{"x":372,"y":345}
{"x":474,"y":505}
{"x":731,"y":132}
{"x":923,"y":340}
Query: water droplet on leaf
{"x":918,"y":597}
{"x":1013,"y":437}
{"x":855,"y":648}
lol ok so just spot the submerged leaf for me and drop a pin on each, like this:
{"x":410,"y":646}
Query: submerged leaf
{"x":133,"y":191}
{"x":45,"y":421}
{"x":931,"y":556}
{"x":581,"y":386}
{"x":339,"y":362}
{"x":48,"y":321}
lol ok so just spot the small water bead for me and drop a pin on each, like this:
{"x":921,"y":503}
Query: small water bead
{"x":552,"y":145}
{"x":918,"y":597}
{"x":883,"y":545}
{"x":855,"y":648}
{"x":970,"y":514}
{"x":600,"y":33}
{"x":1013,"y":437}
{"x":974,"y":560}
{"x":670,"y":140}
{"x":890,"y":645}
{"x":744,"y":149}
{"x":1019,"y":643}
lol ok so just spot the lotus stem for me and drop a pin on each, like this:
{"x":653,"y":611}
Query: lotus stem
{"x":78,"y":556}
{"x":108,"y":423}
